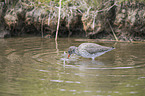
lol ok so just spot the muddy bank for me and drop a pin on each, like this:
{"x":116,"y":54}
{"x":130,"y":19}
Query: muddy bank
{"x":78,"y":19}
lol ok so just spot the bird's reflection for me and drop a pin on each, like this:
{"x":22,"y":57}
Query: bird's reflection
{"x":81,"y":63}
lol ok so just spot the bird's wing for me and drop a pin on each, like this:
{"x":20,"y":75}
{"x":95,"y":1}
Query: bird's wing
{"x":92,"y":49}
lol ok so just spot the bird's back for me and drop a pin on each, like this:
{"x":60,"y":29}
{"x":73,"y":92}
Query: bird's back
{"x":90,"y":50}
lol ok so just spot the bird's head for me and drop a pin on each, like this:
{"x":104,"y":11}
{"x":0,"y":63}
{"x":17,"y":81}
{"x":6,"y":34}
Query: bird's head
{"x":71,"y":50}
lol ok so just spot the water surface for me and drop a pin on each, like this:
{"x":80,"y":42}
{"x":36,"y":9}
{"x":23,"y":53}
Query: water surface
{"x":39,"y":67}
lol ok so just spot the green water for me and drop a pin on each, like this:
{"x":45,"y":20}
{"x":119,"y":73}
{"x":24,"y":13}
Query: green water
{"x":38,"y":67}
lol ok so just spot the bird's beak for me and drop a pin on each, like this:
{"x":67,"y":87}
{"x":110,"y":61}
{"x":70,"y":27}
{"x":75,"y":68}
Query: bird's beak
{"x":68,"y":55}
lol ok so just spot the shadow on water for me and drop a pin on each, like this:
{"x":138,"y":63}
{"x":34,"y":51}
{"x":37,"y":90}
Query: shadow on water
{"x":39,"y":67}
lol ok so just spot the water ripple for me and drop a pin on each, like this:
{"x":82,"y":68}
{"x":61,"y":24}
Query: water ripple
{"x":77,"y":82}
{"x":113,"y":68}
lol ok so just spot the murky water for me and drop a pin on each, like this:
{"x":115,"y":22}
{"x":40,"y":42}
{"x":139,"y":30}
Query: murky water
{"x":38,"y":67}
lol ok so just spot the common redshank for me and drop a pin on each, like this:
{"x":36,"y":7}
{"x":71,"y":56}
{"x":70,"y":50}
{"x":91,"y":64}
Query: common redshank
{"x":89,"y":50}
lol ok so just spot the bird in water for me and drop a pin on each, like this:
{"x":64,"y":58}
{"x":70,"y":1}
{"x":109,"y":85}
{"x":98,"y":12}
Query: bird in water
{"x":89,"y":50}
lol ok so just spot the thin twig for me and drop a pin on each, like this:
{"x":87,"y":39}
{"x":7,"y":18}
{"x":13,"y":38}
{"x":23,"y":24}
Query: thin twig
{"x":107,"y":8}
{"x":112,"y":30}
{"x":56,"y":36}
{"x":42,"y":28}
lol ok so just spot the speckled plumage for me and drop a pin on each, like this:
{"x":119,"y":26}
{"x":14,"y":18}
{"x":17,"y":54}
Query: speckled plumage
{"x":89,"y":50}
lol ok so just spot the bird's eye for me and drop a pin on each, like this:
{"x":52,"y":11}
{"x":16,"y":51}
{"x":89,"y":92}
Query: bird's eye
{"x":69,"y":52}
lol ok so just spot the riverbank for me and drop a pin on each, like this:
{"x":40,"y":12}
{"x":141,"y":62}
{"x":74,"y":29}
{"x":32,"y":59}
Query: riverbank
{"x":94,"y":20}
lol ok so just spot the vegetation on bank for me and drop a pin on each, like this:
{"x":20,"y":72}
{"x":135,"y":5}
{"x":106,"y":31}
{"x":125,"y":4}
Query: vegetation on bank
{"x":113,"y":19}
